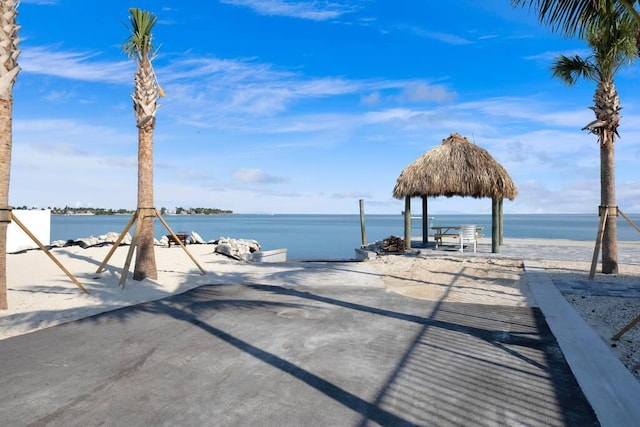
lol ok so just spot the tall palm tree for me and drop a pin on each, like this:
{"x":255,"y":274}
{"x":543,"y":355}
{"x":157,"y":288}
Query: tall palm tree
{"x":139,"y":47}
{"x":9,"y":70}
{"x":612,"y":30}
{"x":613,"y":44}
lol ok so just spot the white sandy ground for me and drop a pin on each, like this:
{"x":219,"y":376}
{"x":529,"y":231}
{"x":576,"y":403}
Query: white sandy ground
{"x":41,"y":295}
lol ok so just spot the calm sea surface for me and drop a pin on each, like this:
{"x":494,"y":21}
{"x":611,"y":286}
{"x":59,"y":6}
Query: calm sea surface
{"x":333,"y":237}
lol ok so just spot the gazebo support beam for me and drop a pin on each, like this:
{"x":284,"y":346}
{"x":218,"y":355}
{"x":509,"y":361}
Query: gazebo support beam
{"x":425,"y":221}
{"x":495,"y":226}
{"x":407,"y":221}
{"x":500,"y":209}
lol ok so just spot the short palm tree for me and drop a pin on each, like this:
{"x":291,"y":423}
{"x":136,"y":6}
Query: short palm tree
{"x":613,"y":44}
{"x":139,"y":47}
{"x":9,"y":70}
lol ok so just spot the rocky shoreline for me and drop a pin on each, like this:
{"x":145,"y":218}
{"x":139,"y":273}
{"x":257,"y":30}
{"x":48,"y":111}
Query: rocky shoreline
{"x":239,"y":249}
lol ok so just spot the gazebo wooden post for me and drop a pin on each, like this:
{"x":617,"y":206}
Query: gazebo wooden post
{"x":495,"y":226}
{"x":407,"y":221}
{"x":500,"y":205}
{"x":425,"y":221}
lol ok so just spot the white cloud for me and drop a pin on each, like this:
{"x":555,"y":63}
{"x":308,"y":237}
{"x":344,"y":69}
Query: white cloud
{"x":371,"y":99}
{"x":423,"y":92}
{"x":351,"y":195}
{"x":75,"y":65}
{"x":447,"y":38}
{"x":550,"y":57}
{"x":256,"y":176}
{"x":215,"y":88}
{"x":244,"y":87}
{"x":311,"y":10}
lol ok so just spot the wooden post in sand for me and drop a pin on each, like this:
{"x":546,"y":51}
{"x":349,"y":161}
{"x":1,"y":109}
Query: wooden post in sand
{"x":362,"y":228}
{"x":407,"y":221}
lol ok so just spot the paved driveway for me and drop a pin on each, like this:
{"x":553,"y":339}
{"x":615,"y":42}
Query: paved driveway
{"x":273,"y":355}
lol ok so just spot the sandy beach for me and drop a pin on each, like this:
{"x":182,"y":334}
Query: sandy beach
{"x":41,"y":295}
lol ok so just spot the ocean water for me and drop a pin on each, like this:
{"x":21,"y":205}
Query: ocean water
{"x":334,"y":237}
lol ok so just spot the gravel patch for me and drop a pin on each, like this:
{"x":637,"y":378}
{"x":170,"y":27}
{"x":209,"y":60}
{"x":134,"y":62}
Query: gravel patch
{"x":605,"y":313}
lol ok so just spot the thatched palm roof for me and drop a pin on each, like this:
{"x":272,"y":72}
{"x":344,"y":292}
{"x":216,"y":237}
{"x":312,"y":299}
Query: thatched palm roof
{"x":455,"y":168}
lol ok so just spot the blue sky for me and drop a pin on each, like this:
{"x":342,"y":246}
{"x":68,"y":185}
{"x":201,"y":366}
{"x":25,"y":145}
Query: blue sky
{"x":278,"y":106}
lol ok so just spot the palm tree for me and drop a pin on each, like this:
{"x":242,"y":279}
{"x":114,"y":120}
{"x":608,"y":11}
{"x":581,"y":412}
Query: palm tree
{"x":9,"y":70}
{"x":139,"y":47}
{"x":613,"y":45}
{"x":612,"y":30}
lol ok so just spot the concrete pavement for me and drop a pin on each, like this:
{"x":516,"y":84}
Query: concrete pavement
{"x":325,"y":345}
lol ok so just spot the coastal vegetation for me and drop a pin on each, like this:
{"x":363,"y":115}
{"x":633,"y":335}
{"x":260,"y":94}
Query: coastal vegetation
{"x":164,"y":211}
{"x":611,"y":29}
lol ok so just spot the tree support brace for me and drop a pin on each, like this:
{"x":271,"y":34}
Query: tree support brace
{"x":7,"y":216}
{"x":604,"y":212}
{"x":141,"y":213}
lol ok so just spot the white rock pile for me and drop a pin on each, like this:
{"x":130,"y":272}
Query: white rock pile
{"x":235,"y":248}
{"x":87,"y":242}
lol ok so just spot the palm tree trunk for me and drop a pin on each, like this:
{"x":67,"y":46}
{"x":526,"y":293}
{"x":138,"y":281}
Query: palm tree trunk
{"x":5,"y":167}
{"x":608,"y":198}
{"x":145,"y":252}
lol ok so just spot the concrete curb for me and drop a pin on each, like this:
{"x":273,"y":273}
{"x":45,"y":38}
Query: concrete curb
{"x":608,"y":385}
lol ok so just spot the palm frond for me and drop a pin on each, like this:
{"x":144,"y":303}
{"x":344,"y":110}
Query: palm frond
{"x":139,"y":43}
{"x":572,"y":17}
{"x":570,"y":69}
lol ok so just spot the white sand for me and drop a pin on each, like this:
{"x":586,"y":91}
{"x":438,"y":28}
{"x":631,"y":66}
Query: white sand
{"x":40,"y":295}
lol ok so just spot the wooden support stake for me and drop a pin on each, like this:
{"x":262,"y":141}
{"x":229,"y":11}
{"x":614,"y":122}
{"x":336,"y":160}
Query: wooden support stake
{"x":596,"y":251}
{"x":179,"y":241}
{"x":127,"y":263}
{"x":118,"y":241}
{"x":49,"y":254}
{"x":141,"y":213}
{"x":637,"y":319}
{"x":629,"y":221}
{"x":622,"y":331}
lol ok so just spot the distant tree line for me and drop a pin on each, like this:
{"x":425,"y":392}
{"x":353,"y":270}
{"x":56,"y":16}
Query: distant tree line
{"x":67,"y":210}
{"x":198,"y":211}
{"x":87,"y":211}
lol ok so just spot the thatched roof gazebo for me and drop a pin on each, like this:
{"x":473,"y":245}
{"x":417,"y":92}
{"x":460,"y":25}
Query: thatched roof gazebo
{"x":457,"y":167}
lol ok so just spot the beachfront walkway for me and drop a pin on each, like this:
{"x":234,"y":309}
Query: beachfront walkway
{"x":320,"y":345}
